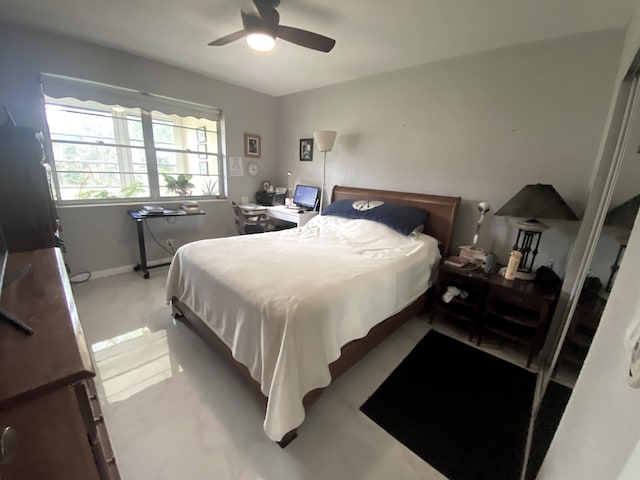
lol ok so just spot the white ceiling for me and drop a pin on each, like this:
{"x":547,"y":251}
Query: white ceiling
{"x":372,"y":36}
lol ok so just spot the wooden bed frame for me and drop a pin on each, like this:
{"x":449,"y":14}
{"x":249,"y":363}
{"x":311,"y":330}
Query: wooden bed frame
{"x":439,"y":224}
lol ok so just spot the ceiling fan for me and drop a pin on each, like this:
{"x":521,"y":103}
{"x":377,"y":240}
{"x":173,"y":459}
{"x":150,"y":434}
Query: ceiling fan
{"x":261,"y":22}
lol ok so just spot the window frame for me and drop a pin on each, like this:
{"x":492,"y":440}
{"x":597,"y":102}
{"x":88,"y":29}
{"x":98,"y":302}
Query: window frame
{"x":149,"y":148}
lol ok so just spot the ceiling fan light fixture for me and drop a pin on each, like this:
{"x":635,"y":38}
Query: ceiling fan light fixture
{"x":261,"y":41}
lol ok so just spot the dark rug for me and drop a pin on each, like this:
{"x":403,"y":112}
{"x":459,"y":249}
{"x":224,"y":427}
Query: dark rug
{"x":463,"y":411}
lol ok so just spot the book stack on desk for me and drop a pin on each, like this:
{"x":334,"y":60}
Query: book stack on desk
{"x":190,"y":206}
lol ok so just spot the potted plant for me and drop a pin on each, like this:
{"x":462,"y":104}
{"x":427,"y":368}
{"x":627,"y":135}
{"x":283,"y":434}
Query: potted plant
{"x":181,"y":186}
{"x":209,"y":186}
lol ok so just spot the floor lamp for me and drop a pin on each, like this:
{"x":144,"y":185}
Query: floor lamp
{"x":324,"y":139}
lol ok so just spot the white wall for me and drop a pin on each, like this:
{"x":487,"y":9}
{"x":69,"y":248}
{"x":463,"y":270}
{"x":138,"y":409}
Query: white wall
{"x":104,"y":237}
{"x":480,"y":126}
{"x":600,"y":428}
{"x":24,"y":53}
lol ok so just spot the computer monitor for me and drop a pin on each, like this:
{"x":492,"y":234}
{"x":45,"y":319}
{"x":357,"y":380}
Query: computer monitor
{"x":306,"y":197}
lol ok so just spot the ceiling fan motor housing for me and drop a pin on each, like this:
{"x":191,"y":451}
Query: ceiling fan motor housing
{"x":265,"y":19}
{"x":267,"y":24}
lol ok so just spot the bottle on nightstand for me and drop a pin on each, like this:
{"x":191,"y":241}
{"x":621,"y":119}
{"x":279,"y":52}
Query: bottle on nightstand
{"x":512,"y":266}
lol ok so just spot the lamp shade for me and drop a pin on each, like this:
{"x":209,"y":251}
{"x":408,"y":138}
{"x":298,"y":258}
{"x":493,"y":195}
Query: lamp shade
{"x":537,"y":201}
{"x":624,"y":214}
{"x":324,"y":139}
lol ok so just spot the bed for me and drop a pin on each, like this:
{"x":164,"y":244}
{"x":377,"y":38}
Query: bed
{"x":292,"y":310}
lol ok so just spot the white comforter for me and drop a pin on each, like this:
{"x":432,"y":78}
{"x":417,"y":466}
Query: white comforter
{"x":286,"y":302}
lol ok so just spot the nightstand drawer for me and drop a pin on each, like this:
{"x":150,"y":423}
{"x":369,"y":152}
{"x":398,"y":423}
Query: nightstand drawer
{"x":514,"y":297}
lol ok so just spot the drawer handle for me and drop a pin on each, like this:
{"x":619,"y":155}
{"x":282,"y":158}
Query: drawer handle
{"x":8,"y":445}
{"x":516,"y":299}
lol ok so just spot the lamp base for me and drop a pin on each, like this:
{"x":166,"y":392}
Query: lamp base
{"x":527,"y":276}
{"x":519,"y":275}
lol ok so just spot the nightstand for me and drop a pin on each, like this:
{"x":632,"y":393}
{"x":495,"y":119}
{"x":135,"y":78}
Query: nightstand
{"x":517,"y":310}
{"x":469,"y":309}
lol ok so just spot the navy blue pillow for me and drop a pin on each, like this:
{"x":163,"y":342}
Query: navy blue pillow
{"x":401,"y":218}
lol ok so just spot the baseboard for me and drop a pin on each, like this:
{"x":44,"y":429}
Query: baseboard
{"x":109,"y":272}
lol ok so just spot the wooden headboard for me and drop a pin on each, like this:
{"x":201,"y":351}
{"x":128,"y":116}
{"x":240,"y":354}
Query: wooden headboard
{"x":441,"y":209}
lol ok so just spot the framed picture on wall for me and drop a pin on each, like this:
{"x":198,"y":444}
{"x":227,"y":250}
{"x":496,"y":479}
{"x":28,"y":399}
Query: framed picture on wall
{"x":252,"y":145}
{"x":306,"y":149}
{"x":204,"y":168}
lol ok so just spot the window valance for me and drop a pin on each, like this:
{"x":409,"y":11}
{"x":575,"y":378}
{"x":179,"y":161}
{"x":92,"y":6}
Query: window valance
{"x":58,"y":86}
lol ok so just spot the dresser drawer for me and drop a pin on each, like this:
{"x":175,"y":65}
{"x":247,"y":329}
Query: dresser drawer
{"x":96,"y":429}
{"x":51,"y":439}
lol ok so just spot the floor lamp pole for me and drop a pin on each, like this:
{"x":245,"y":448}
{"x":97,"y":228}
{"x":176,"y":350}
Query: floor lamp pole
{"x":324,"y":140}
{"x":324,"y":176}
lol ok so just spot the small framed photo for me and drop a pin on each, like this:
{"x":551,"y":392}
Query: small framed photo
{"x":204,"y":168}
{"x":201,"y":134}
{"x":202,"y":150}
{"x":306,"y":149}
{"x":252,"y":145}
{"x":266,"y":185}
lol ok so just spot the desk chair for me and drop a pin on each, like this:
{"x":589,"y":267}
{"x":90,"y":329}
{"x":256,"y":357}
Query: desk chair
{"x":251,"y":223}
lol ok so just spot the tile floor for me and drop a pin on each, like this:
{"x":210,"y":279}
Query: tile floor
{"x":175,"y":410}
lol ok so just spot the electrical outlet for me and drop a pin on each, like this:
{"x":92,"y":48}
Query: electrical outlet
{"x":170,"y":242}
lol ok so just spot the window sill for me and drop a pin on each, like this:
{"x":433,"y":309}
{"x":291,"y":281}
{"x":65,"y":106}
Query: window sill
{"x":128,"y":203}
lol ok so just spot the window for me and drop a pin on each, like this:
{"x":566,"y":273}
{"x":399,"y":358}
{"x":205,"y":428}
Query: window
{"x":104,"y":152}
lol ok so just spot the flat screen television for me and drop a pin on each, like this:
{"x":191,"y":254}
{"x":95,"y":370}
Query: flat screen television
{"x":306,"y":197}
{"x":5,"y":316}
{"x":4,"y":254}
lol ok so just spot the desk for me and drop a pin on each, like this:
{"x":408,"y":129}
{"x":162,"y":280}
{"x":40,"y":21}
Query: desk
{"x":140,"y":218}
{"x":282,"y":212}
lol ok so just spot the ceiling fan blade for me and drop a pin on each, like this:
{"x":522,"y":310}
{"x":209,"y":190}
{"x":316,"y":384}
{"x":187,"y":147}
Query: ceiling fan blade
{"x":232,"y":37}
{"x":306,"y":38}
{"x":250,"y":8}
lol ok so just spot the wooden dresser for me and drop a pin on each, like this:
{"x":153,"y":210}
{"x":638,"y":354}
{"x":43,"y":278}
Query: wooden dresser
{"x":51,"y":425}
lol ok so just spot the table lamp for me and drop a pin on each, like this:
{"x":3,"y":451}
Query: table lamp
{"x":471,"y":252}
{"x":533,"y":202}
{"x":622,"y":217}
{"x":483,"y":208}
{"x":289,"y":200}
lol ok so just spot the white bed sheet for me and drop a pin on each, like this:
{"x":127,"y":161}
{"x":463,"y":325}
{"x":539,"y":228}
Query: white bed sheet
{"x":286,"y":302}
